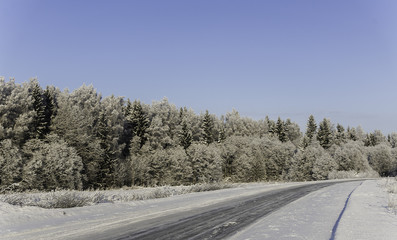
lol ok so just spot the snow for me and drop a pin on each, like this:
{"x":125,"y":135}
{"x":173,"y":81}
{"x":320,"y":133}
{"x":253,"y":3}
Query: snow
{"x":37,"y":223}
{"x":367,"y":216}
{"x":311,"y":217}
{"x":315,"y":215}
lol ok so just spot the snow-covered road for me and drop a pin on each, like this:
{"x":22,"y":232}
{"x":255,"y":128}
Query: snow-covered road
{"x":310,"y":217}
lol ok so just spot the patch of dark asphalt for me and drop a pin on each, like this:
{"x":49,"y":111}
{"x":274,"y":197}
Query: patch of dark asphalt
{"x":216,"y":221}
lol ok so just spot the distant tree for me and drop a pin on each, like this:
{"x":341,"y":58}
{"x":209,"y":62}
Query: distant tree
{"x":50,"y":108}
{"x":351,"y":134}
{"x":281,"y":130}
{"x":351,"y":156}
{"x":208,"y":128}
{"x":39,"y":107}
{"x":76,"y":123}
{"x":381,"y":159}
{"x":392,"y":139}
{"x":323,"y":165}
{"x":340,"y":136}
{"x":139,"y":122}
{"x":185,"y":136}
{"x":325,"y":134}
{"x":11,"y":163}
{"x":271,"y":126}
{"x":206,"y":163}
{"x":51,"y":164}
{"x":293,"y":132}
{"x":311,"y":131}
{"x":16,"y":112}
{"x":374,"y":138}
{"x":307,"y":161}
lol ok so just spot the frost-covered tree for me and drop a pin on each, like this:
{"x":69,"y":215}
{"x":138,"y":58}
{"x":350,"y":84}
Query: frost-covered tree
{"x":311,"y":131}
{"x":392,"y":139}
{"x":76,"y":123}
{"x":307,"y":161}
{"x":206,"y":163}
{"x":325,"y":134}
{"x":185,"y":136}
{"x":11,"y":163}
{"x":374,"y":138}
{"x":239,"y":160}
{"x":293,"y":132}
{"x":380,"y":158}
{"x":323,"y":166}
{"x":16,"y":112}
{"x":281,"y":130}
{"x":340,"y":136}
{"x":51,"y":164}
{"x":351,"y":134}
{"x":208,"y":128}
{"x":271,"y":126}
{"x":39,"y":108}
{"x":139,"y":121}
{"x":274,"y":154}
{"x":351,"y":156}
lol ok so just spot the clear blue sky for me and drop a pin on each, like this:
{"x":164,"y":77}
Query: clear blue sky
{"x":290,"y":58}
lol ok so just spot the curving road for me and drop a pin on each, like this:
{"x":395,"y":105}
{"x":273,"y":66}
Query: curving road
{"x":217,"y":221}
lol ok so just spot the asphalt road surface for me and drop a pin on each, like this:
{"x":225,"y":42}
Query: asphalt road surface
{"x":216,"y":221}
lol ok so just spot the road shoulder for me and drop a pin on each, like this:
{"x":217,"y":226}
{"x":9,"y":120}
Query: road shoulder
{"x":367,"y":216}
{"x":310,"y":217}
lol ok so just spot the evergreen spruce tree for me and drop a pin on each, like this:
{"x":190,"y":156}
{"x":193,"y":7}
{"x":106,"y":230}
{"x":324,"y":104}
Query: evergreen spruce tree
{"x":185,"y":136}
{"x":222,"y":134}
{"x":340,"y":137}
{"x":325,"y":135}
{"x":271,"y":126}
{"x":50,"y":109}
{"x":311,"y":131}
{"x":311,"y":127}
{"x":38,"y":106}
{"x":280,"y":130}
{"x":138,"y":121}
{"x":351,"y":134}
{"x":207,"y":127}
{"x":106,"y":164}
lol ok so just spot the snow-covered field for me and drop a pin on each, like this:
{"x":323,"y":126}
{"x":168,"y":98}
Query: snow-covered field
{"x":312,"y":217}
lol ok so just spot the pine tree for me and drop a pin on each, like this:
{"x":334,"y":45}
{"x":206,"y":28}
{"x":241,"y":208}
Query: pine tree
{"x":207,"y":127}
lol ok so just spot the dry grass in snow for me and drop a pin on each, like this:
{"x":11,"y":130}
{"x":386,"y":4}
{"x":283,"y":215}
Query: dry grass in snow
{"x":71,"y":198}
{"x":390,"y":184}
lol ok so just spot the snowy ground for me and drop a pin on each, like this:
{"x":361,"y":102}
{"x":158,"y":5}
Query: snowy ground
{"x":314,"y":217}
{"x":311,"y":217}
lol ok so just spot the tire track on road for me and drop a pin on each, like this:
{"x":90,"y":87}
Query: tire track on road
{"x":218,"y":222}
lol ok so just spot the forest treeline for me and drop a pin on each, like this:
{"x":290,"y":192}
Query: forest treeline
{"x":53,"y":139}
